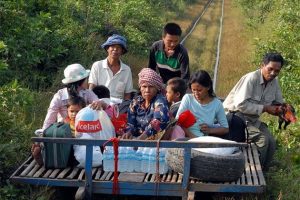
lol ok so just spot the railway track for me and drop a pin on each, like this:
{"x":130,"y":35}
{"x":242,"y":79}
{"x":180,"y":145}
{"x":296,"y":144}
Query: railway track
{"x":191,"y":36}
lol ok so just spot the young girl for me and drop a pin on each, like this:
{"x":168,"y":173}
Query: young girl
{"x":205,"y":106}
{"x":75,"y":104}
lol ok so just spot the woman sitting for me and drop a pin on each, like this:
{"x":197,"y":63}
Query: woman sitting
{"x":205,"y":106}
{"x":76,"y":84}
{"x":148,"y":113}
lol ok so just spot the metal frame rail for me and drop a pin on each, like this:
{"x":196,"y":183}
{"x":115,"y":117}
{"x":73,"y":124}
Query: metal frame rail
{"x":95,"y":180}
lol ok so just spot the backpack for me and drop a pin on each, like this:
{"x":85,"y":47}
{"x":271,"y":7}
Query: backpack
{"x":56,"y":155}
{"x":237,"y":128}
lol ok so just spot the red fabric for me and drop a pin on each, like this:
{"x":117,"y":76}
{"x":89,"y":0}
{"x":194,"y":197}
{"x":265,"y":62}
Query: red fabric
{"x":288,"y":113}
{"x":119,"y":123}
{"x":186,"y":119}
{"x":115,"y":142}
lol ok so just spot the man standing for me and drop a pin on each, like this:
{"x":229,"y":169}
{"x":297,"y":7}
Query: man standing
{"x":255,"y":93}
{"x":168,"y":56}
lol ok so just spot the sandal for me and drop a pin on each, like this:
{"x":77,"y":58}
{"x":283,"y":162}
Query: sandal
{"x":36,"y":153}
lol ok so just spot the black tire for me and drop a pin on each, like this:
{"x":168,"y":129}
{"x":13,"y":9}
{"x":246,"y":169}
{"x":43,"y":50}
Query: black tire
{"x":208,"y":167}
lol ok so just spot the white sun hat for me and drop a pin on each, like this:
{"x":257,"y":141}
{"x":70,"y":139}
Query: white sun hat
{"x":75,"y":72}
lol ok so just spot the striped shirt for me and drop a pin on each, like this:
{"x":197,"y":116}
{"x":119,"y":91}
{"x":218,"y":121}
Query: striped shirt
{"x":176,"y":65}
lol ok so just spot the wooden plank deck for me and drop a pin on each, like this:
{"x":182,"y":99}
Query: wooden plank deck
{"x":252,"y":180}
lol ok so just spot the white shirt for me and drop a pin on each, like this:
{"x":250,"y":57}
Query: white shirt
{"x":117,"y":84}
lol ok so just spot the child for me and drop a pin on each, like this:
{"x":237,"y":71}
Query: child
{"x":103,"y":93}
{"x":205,"y":106}
{"x":73,"y":106}
{"x":176,"y":89}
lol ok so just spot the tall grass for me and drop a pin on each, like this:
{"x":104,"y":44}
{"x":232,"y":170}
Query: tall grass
{"x":202,"y":43}
{"x":237,"y":49}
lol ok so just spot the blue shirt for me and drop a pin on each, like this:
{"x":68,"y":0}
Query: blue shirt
{"x":204,"y":113}
{"x":149,"y":120}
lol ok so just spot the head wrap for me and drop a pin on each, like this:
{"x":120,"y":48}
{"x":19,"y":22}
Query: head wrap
{"x":150,"y":77}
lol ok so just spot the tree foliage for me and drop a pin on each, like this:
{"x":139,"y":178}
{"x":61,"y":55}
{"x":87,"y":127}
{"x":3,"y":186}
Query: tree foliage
{"x":279,"y":21}
{"x":43,"y":36}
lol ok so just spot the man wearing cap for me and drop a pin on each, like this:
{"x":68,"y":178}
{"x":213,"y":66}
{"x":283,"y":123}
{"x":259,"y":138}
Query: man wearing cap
{"x":168,"y":56}
{"x":112,"y":72}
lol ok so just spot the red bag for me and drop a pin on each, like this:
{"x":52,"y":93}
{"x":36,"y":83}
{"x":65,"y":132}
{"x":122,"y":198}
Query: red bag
{"x":119,"y":123}
{"x":186,"y":119}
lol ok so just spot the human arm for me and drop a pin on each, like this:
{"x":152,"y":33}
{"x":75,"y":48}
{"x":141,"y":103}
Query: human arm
{"x":246,"y":95}
{"x":219,"y":128}
{"x":127,"y":96}
{"x":93,"y":79}
{"x":152,"y":61}
{"x":129,"y":87}
{"x":188,"y":133}
{"x":213,"y":130}
{"x":54,"y":108}
{"x":184,"y":65}
{"x":160,"y":117}
{"x":91,"y":86}
{"x":94,"y":102}
{"x":131,"y":127}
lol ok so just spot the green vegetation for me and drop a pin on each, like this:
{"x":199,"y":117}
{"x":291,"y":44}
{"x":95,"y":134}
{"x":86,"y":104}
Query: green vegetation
{"x":39,"y":38}
{"x":277,"y":29}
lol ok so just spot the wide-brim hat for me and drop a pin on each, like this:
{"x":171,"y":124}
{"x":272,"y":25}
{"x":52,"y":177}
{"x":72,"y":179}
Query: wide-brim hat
{"x":75,"y":72}
{"x":116,"y":39}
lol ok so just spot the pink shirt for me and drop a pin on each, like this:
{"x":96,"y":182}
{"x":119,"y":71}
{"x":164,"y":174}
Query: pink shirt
{"x":59,"y":102}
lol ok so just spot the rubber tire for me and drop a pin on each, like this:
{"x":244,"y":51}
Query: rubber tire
{"x":208,"y":167}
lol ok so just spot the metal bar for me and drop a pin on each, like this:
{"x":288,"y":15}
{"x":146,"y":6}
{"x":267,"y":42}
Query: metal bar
{"x":18,"y":170}
{"x":186,"y":172}
{"x":48,"y":181}
{"x":140,"y":143}
{"x":88,"y":171}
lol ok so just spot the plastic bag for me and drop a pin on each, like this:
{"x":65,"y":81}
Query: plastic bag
{"x":95,"y":123}
{"x":108,"y":130}
{"x":80,"y":153}
{"x":217,"y":151}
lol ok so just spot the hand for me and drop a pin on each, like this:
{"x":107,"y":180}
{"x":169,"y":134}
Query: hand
{"x":127,"y":135}
{"x":273,"y":110}
{"x":98,"y":105}
{"x":204,"y":128}
{"x":143,"y":136}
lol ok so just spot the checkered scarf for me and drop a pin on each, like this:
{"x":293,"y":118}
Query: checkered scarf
{"x":150,"y":77}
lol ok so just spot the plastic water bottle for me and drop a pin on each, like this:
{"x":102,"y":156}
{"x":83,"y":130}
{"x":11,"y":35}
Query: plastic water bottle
{"x":108,"y":159}
{"x":152,"y":161}
{"x":122,"y":161}
{"x":138,"y":159}
{"x":145,"y":160}
{"x":163,"y":166}
{"x":130,"y":159}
